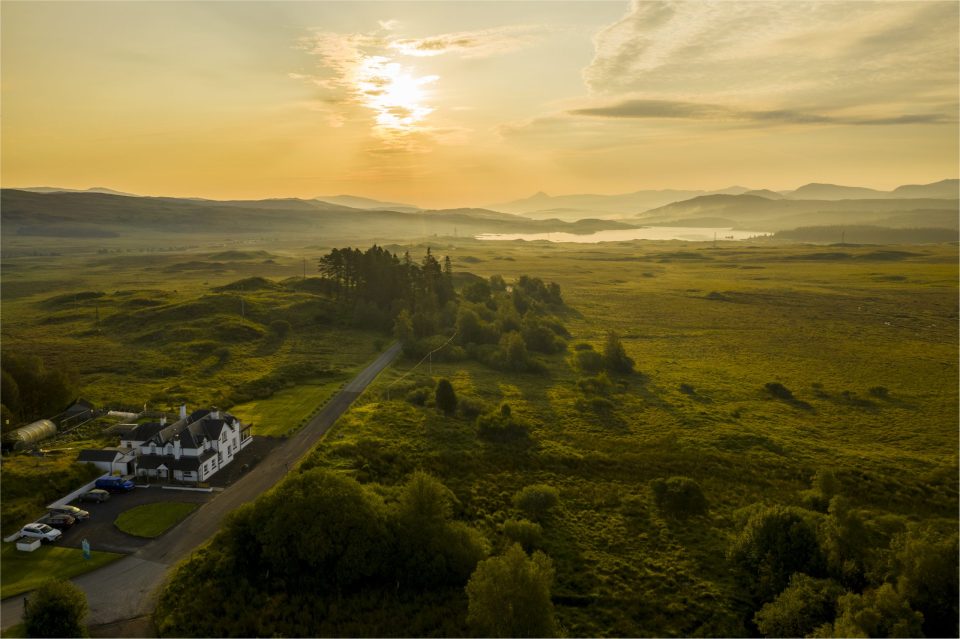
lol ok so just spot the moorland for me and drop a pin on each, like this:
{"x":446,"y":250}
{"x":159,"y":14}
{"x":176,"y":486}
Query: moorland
{"x":779,"y":456}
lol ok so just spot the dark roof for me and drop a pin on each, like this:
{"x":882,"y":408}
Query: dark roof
{"x":144,"y":432}
{"x":91,"y":455}
{"x":155,"y":461}
{"x":207,"y":454}
{"x":79,"y":406}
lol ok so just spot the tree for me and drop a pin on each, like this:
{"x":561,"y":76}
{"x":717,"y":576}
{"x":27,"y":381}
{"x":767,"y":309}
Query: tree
{"x":615,"y":357}
{"x":773,"y":544}
{"x":882,"y":612}
{"x":56,"y":609}
{"x":537,"y":500}
{"x":806,"y":604}
{"x":926,"y":565}
{"x":509,"y":596}
{"x":446,"y":397}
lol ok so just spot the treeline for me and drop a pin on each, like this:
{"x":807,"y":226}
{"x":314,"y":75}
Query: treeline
{"x":29,"y":390}
{"x":490,"y":321}
{"x":829,"y":571}
{"x":323,"y":555}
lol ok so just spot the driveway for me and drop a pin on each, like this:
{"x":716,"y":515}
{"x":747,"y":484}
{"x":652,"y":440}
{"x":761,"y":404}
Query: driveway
{"x":99,"y":529}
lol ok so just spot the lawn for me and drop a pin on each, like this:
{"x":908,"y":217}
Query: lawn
{"x":152,"y":520}
{"x":287,"y":409}
{"x":23,"y":571}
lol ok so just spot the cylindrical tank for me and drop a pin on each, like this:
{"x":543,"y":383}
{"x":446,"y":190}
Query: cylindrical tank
{"x":32,"y":433}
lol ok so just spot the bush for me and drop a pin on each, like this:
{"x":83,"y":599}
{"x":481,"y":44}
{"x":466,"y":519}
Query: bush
{"x":445,"y":396}
{"x":595,"y":385}
{"x":56,"y":609}
{"x":526,"y":533}
{"x":537,"y":500}
{"x":876,"y":613}
{"x":615,"y":357}
{"x":587,"y":361}
{"x":679,"y":497}
{"x":501,"y":426}
{"x":806,"y":604}
{"x":687,"y":389}
{"x":280,"y":327}
{"x":471,"y":407}
{"x":778,"y":390}
{"x":419,"y":396}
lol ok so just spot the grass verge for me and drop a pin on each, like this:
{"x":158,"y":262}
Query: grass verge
{"x":287,"y":409}
{"x":152,"y":520}
{"x":24,"y":571}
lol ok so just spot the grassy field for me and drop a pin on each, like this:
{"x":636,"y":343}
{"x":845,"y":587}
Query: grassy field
{"x":152,"y":520}
{"x":23,"y":571}
{"x":828,"y":324}
{"x":864,"y":337}
{"x":287,"y":409}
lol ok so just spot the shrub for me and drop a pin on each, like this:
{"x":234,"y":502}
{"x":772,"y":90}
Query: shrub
{"x":537,"y":500}
{"x":880,"y":391}
{"x":582,"y":346}
{"x":471,"y":407}
{"x":526,"y":533}
{"x":501,"y":426}
{"x":876,"y":613}
{"x":445,"y":396}
{"x":687,"y":389}
{"x":679,"y":496}
{"x":595,"y":385}
{"x":587,"y":361}
{"x":419,"y":396}
{"x":280,"y":327}
{"x":56,"y":609}
{"x":804,"y":605}
{"x":778,"y":390}
{"x":615,"y":357}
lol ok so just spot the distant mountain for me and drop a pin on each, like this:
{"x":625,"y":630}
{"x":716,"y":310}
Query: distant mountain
{"x":572,"y":207}
{"x":357,"y":202}
{"x":815,"y":191}
{"x":757,"y":213}
{"x":941,"y":189}
{"x":54,"y":189}
{"x":97,"y":215}
{"x":938,"y":190}
{"x":767,"y":193}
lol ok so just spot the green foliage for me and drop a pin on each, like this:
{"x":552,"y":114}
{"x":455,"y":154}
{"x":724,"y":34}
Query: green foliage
{"x":882,"y":612}
{"x":31,"y":390}
{"x":510,"y":596}
{"x":502,"y":426}
{"x":846,"y":542}
{"x":586,"y":360}
{"x":779,"y":391}
{"x":679,"y":497}
{"x":26,"y":490}
{"x":56,"y":609}
{"x":926,"y":569}
{"x":615,"y":358}
{"x":419,"y":396}
{"x":446,"y":397}
{"x":773,"y":544}
{"x":537,"y":500}
{"x":805,"y":605}
{"x":526,"y":533}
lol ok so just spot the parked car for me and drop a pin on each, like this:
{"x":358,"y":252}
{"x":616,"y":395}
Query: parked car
{"x":58,"y":521}
{"x":96,"y":495}
{"x":73,"y":511}
{"x":115,"y":484}
{"x":42,"y":532}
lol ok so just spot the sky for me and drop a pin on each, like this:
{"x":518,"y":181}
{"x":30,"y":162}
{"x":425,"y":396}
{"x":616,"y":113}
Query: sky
{"x":470,"y":103}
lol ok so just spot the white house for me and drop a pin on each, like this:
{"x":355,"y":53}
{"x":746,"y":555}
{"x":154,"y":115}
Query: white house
{"x":191,"y":449}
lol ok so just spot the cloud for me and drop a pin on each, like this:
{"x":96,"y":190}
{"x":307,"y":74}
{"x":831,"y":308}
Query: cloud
{"x":470,"y":44}
{"x":672,"y":109}
{"x":794,"y":57}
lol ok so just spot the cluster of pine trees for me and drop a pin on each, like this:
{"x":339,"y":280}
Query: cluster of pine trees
{"x":32,"y":391}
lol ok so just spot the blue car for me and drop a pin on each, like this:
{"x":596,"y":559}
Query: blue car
{"x":115,"y":484}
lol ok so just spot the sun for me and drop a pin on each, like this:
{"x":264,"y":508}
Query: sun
{"x":398,"y":97}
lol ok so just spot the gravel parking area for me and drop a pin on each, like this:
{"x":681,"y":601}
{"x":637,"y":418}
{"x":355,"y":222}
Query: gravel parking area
{"x":99,"y":529}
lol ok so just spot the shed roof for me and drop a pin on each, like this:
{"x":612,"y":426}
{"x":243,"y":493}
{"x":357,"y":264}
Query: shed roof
{"x":93,"y":455}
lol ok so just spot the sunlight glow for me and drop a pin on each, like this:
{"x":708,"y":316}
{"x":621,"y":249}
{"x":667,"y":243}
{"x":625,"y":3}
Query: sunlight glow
{"x":396,"y":95}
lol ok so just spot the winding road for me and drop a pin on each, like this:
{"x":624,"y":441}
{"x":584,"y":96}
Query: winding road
{"x":128,"y":587}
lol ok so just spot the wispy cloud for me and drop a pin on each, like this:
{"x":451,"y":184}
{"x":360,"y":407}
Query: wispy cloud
{"x":471,"y":44}
{"x":672,"y":109}
{"x":875,"y":56}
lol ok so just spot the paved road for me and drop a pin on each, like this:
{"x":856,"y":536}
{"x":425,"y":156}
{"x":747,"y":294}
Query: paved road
{"x":127,"y":588}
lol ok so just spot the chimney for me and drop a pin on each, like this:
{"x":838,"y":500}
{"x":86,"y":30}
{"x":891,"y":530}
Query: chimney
{"x":163,"y":420}
{"x":183,"y":411}
{"x":215,"y":413}
{"x":176,"y":446}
